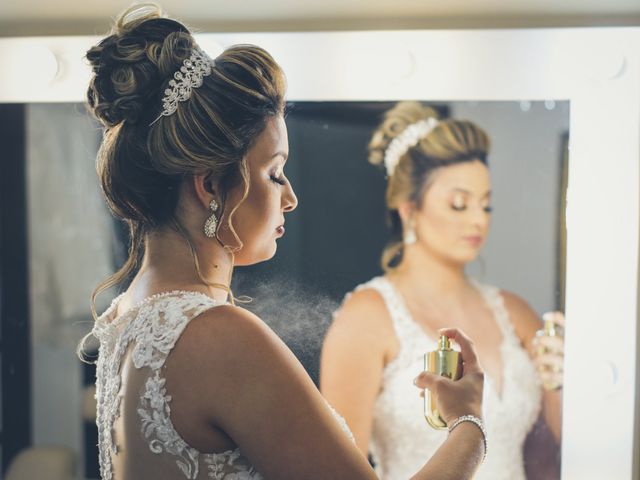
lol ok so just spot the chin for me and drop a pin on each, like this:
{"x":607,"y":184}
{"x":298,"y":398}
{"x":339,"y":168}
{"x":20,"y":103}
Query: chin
{"x":468,"y":257}
{"x":245,"y":257}
{"x":462,"y":257}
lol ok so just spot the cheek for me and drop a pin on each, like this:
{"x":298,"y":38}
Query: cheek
{"x":258,"y":211}
{"x":441,"y":224}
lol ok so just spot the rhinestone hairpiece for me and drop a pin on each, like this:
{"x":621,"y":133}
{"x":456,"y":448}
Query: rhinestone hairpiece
{"x":190,"y":76}
{"x":407,"y":139}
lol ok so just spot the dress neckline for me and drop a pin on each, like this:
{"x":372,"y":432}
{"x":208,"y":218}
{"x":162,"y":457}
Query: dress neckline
{"x":149,"y":299}
{"x":489,"y":302}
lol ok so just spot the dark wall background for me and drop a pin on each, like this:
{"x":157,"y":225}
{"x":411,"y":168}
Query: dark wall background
{"x":15,"y":346}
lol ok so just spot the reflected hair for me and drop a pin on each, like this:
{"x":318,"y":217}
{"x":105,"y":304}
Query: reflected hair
{"x":141,"y":167}
{"x":450,"y":142}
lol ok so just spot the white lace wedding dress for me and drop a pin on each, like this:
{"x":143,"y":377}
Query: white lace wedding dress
{"x":401,"y":439}
{"x":134,"y":407}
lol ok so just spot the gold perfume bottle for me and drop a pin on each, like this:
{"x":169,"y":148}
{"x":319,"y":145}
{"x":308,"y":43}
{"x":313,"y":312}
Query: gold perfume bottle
{"x":446,"y":362}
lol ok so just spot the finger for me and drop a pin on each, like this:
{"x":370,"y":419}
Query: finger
{"x":428,"y":380}
{"x":548,"y":344}
{"x":549,"y":360}
{"x":467,"y":348}
{"x":555,"y":317}
{"x":552,"y":378}
{"x":554,"y":343}
{"x":552,"y":381}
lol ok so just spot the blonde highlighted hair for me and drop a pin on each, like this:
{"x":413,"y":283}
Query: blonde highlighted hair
{"x":141,"y":165}
{"x":449,"y":143}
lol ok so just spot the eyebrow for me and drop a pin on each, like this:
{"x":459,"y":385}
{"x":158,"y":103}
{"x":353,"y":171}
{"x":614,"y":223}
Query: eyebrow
{"x":462,"y":190}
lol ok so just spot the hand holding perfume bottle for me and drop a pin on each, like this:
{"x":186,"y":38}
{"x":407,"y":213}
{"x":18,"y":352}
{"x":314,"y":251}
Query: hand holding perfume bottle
{"x":445,"y":362}
{"x":452,"y":382}
{"x":548,"y":351}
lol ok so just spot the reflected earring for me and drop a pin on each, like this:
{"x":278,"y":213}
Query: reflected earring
{"x":211,"y":225}
{"x":409,"y":237}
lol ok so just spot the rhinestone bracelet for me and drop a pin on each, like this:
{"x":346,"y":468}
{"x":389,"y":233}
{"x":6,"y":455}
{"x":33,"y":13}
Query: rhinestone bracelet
{"x":475,"y":420}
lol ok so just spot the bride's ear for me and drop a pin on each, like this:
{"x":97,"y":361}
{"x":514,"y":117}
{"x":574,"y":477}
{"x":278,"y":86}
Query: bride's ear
{"x":405,"y":210}
{"x":204,"y":189}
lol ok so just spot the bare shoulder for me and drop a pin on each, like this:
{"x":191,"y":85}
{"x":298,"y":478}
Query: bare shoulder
{"x":523,"y":317}
{"x":220,"y":335}
{"x":228,"y":325}
{"x":249,"y":385}
{"x":364,"y":310}
{"x":362,"y":326}
{"x":228,"y":351}
{"x":225,"y":339}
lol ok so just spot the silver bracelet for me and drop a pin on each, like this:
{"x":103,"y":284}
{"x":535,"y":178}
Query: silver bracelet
{"x":475,"y":420}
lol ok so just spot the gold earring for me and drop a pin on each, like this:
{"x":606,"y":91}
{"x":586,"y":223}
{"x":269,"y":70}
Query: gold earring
{"x":211,"y":225}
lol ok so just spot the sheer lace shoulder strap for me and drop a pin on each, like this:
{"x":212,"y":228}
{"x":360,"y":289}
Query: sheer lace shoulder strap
{"x":394,"y":303}
{"x":160,"y":321}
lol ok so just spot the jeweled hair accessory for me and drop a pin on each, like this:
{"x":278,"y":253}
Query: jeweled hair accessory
{"x":190,"y":76}
{"x":409,"y":137}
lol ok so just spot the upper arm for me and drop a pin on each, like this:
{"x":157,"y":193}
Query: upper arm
{"x":254,"y":389}
{"x":353,"y":359}
{"x":525,"y":320}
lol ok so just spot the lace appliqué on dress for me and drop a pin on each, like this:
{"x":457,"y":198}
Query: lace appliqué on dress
{"x":152,"y":329}
{"x":219,"y":466}
{"x":157,"y":429}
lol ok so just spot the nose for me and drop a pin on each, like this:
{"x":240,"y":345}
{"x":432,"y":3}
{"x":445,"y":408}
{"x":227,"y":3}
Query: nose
{"x":481,"y":217}
{"x":289,"y":199}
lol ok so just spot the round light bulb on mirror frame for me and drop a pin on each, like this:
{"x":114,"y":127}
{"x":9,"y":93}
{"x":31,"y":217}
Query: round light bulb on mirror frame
{"x":525,"y":105}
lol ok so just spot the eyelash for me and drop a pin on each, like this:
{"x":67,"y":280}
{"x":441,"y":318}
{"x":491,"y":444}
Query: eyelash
{"x":279,"y":181}
{"x":462,"y":209}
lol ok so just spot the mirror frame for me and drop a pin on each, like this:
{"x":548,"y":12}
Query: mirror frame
{"x":596,"y":69}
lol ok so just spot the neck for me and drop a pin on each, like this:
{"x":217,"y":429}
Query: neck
{"x":421,"y":272}
{"x":169,"y":264}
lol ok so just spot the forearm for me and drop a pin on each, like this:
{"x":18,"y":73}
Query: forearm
{"x":457,"y":458}
{"x":552,"y":412}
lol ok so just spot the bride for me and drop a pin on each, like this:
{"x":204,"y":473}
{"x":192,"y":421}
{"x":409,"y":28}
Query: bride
{"x":190,"y":385}
{"x":439,"y":203}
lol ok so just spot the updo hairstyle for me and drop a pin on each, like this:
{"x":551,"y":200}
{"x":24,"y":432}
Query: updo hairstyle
{"x":141,"y":163}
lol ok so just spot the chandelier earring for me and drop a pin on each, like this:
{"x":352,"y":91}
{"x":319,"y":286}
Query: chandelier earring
{"x":211,"y":225}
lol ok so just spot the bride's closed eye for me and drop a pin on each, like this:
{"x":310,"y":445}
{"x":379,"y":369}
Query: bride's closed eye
{"x":281,"y":180}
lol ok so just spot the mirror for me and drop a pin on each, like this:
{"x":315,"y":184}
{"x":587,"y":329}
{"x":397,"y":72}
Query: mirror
{"x":592,"y":72}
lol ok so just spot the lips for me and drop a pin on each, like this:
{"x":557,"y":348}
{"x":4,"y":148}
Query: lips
{"x":280,"y":230}
{"x":474,"y":240}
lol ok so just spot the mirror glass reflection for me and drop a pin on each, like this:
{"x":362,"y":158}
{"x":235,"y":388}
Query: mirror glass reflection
{"x":333,"y":243}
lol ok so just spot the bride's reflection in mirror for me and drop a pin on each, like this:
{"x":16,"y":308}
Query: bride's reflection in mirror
{"x":439,"y":203}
